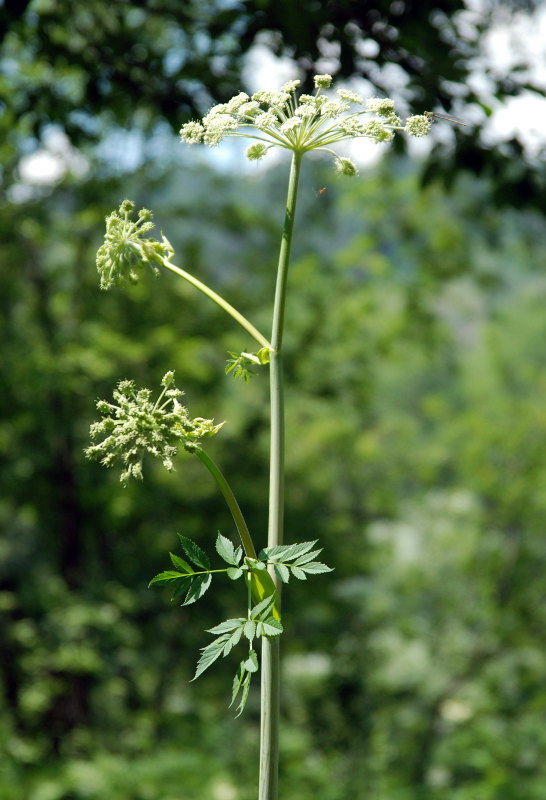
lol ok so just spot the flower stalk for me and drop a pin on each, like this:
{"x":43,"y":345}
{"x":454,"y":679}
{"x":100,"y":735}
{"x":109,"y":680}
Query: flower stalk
{"x":228,"y":308}
{"x":231,"y":502}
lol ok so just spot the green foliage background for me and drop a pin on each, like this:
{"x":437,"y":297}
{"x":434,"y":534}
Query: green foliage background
{"x":416,"y":430}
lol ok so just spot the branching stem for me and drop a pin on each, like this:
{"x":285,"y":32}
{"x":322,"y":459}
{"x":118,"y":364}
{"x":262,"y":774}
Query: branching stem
{"x":237,"y":316}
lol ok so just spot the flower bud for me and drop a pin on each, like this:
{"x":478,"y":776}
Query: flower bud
{"x":346,"y":167}
{"x":192,"y":133}
{"x":323,"y":81}
{"x":380,"y":105}
{"x":255,"y":151}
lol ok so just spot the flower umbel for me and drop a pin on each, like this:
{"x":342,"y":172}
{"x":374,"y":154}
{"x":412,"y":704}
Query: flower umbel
{"x":419,"y":125}
{"x":308,"y":122}
{"x":134,"y":425}
{"x":125,"y":247}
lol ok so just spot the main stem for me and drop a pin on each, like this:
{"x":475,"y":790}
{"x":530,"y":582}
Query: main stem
{"x":270,"y":666}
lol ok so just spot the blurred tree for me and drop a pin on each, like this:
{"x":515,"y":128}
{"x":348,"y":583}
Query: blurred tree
{"x":416,"y":384}
{"x":81,"y":68}
{"x":416,"y":450}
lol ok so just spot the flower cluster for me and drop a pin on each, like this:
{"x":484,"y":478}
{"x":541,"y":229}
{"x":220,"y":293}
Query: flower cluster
{"x":300,"y":124}
{"x":134,"y":425}
{"x":125,"y":247}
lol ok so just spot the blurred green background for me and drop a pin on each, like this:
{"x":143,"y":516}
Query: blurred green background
{"x":416,"y":429}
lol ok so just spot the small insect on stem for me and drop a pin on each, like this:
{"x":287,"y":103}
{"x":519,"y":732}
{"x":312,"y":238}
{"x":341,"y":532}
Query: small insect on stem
{"x":444,"y":116}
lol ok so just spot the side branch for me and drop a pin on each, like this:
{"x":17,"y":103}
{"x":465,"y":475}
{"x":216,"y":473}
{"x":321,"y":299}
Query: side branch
{"x":237,"y":316}
{"x":231,"y":501}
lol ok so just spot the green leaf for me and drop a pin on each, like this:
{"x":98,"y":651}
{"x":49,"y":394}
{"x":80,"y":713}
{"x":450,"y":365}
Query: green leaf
{"x":226,"y":550}
{"x":227,"y":648}
{"x":262,"y":607}
{"x":194,"y":552}
{"x":307,"y":557}
{"x":264,"y":355}
{"x":242,"y":364}
{"x":254,"y":564}
{"x":209,"y":654}
{"x":272,"y":627}
{"x":165,"y":577}
{"x":262,"y":586}
{"x":244,"y":695}
{"x":227,"y":626}
{"x":298,"y":572}
{"x":236,"y":635}
{"x":287,"y":552}
{"x":251,"y":664}
{"x":234,"y":573}
{"x":180,"y":564}
{"x":239,"y":365}
{"x":316,"y":568}
{"x":283,"y":572}
{"x":237,"y":682}
{"x":250,"y":629}
{"x":180,"y":587}
{"x":198,"y":587}
{"x":251,"y":357}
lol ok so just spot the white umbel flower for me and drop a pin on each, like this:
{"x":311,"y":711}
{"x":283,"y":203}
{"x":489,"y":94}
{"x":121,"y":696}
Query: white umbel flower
{"x":301,"y":124}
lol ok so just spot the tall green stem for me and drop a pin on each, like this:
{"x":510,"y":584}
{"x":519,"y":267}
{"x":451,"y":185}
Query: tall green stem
{"x":231,"y":501}
{"x":270,"y":666}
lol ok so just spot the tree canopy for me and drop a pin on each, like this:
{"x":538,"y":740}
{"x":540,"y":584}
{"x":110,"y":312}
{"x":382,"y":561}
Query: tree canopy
{"x":76,"y":66}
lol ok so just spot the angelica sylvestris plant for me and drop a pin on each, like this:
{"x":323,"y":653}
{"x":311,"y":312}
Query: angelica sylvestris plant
{"x":135,"y":425}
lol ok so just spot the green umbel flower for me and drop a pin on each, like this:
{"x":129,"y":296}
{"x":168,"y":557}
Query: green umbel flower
{"x":418,"y":125}
{"x":126,"y":247}
{"x":308,"y":122}
{"x":134,"y":425}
